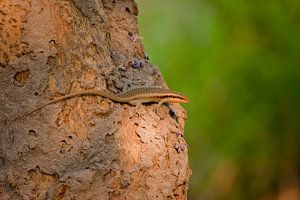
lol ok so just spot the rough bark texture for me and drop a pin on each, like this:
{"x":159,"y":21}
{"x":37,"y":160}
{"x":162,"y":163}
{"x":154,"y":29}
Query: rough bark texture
{"x":85,"y":147}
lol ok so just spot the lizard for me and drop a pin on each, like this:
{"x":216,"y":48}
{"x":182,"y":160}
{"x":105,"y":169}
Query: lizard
{"x":134,"y":97}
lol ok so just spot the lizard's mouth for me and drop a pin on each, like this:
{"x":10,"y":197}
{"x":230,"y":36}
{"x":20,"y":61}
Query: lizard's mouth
{"x":184,"y":99}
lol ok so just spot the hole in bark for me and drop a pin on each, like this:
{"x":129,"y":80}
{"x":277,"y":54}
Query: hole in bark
{"x":173,"y":115}
{"x":36,"y":93}
{"x":32,"y":133}
{"x":63,"y":146}
{"x":146,"y":57}
{"x":21,"y":77}
{"x":127,"y":10}
{"x":137,"y":64}
{"x":52,"y":42}
{"x":114,"y":1}
{"x":108,"y":139}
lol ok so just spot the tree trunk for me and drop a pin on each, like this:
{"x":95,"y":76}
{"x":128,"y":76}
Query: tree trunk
{"x":86,"y":147}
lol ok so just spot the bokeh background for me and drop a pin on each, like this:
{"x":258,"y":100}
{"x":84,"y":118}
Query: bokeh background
{"x":239,"y":63}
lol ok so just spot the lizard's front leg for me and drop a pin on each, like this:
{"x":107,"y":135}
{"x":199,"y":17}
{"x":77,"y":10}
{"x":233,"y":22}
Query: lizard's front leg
{"x":160,"y":103}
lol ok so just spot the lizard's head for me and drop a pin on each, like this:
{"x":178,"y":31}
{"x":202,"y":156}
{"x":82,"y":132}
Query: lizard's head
{"x":177,"y":98}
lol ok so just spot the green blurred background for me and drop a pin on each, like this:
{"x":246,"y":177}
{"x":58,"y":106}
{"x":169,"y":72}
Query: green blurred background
{"x":239,"y":63}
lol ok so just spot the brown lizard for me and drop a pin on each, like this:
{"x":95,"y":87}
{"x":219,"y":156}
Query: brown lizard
{"x":135,"y":96}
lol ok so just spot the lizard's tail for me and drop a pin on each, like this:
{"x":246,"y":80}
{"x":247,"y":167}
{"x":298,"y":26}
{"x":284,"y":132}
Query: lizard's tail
{"x":68,"y":96}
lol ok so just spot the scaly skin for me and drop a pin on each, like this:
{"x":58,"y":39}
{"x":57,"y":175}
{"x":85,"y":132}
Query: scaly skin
{"x":133,"y":96}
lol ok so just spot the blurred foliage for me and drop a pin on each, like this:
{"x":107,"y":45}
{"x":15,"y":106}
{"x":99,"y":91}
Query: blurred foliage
{"x":239,"y":63}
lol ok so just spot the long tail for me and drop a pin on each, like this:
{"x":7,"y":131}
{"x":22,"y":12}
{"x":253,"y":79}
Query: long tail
{"x":68,"y":96}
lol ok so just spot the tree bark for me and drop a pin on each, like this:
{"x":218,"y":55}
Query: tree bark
{"x":86,"y":147}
